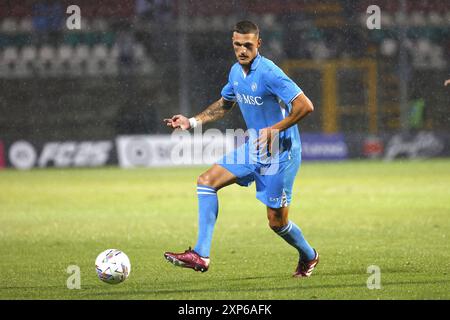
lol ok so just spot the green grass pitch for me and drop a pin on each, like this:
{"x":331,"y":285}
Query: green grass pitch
{"x":357,"y":214}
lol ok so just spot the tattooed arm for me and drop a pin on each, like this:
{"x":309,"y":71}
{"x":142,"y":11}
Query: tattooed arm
{"x":214,"y":112}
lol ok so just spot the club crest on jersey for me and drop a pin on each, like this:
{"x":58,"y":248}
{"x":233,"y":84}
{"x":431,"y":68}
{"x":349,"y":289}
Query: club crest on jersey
{"x":239,"y":97}
{"x":254,"y":86}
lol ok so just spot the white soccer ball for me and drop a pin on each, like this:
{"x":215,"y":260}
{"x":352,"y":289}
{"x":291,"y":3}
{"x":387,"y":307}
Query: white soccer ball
{"x":112,"y":266}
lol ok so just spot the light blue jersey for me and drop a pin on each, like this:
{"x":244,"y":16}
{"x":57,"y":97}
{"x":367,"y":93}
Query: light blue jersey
{"x":264,"y":96}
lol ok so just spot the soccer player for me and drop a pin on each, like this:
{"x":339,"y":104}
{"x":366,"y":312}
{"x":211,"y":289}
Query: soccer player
{"x":272,"y":105}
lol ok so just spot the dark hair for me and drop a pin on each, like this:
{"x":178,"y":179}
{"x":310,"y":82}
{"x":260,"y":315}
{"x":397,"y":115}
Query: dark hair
{"x":245,"y":27}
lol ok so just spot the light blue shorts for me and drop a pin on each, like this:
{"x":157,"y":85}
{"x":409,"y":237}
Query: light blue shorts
{"x":274,"y":181}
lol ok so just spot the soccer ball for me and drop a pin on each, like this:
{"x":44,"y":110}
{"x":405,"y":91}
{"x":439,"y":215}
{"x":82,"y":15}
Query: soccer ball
{"x":112,"y":266}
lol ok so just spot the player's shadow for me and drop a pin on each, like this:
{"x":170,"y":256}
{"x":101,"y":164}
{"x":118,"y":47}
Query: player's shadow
{"x":273,"y":277}
{"x":353,"y":272}
{"x":303,"y":288}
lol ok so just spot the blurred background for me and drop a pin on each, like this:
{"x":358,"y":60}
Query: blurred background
{"x":378,"y":93}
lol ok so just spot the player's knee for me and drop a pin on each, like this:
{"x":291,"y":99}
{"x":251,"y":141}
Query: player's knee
{"x":276,"y":219}
{"x":205,"y":179}
{"x":275,"y":222}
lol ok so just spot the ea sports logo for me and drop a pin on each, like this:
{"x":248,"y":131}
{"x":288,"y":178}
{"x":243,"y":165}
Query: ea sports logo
{"x":254,"y":86}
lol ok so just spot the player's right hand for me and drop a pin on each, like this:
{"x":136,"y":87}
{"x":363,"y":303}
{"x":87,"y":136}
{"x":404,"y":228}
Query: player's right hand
{"x":178,"y":122}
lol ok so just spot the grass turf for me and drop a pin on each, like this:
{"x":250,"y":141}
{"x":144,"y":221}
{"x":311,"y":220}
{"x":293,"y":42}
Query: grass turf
{"x":357,"y":214}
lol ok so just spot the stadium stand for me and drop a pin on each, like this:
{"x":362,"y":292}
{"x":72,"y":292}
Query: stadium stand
{"x":138,"y":40}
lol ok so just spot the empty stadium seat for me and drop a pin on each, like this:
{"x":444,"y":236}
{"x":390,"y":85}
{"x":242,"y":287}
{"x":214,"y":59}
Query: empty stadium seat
{"x":139,"y":52}
{"x":9,"y":25}
{"x":79,"y":62}
{"x":319,"y":49}
{"x":65,"y":52}
{"x":85,"y":24}
{"x":47,"y":53}
{"x":387,"y":20}
{"x":435,"y":19}
{"x":417,"y":19}
{"x":28,"y":60}
{"x":268,"y":21}
{"x":388,"y":47}
{"x":99,"y":59}
{"x":9,"y":62}
{"x":25,"y":25}
{"x":46,"y":60}
{"x":10,"y":55}
{"x":81,"y":53}
{"x":63,"y":63}
{"x":147,"y":67}
{"x":401,"y":19}
{"x":99,"y":24}
{"x":114,"y":53}
{"x":275,"y":47}
{"x":100,"y":52}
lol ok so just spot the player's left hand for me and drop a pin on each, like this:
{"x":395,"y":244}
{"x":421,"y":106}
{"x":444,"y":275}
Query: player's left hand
{"x":447,"y":82}
{"x":265,"y":139}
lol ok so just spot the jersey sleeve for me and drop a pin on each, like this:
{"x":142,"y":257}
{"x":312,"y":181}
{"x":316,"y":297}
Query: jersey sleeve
{"x":279,"y":84}
{"x":228,"y":92}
